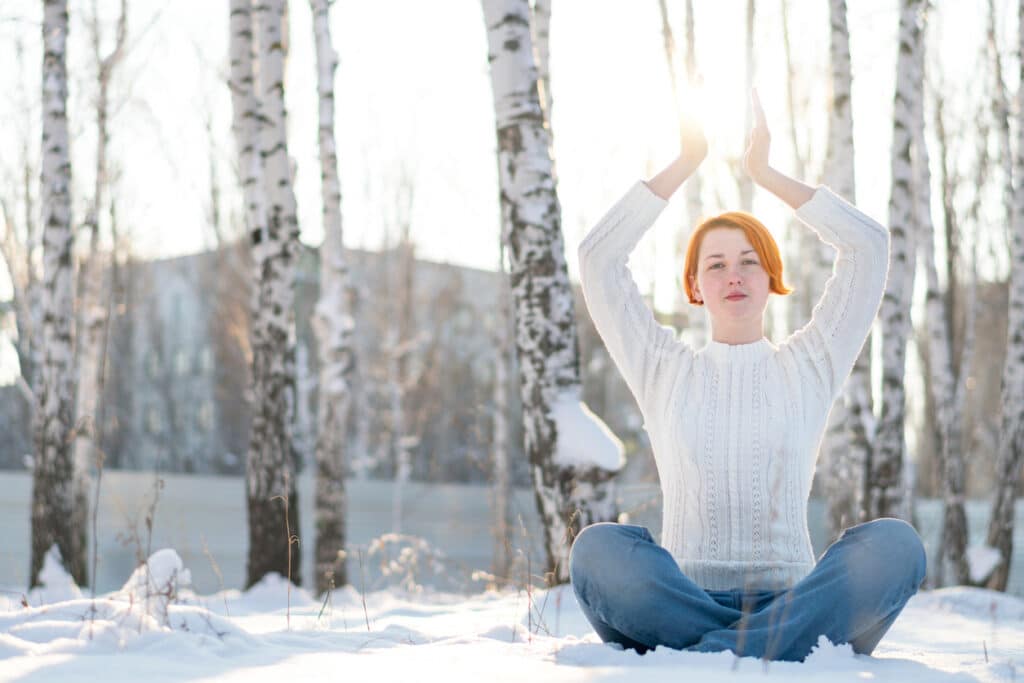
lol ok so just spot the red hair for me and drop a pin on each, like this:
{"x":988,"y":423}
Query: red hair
{"x":759,"y":238}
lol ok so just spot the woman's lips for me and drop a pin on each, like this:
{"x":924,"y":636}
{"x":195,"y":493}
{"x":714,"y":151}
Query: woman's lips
{"x":736,"y":297}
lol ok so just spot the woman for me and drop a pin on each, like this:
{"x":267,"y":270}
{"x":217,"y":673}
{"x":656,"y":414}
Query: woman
{"x":735,"y":428}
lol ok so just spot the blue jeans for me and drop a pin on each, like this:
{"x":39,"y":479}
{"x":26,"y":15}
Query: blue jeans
{"x":633,"y":593}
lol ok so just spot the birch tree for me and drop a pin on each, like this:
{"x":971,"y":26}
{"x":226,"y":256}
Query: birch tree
{"x":272,"y":501}
{"x":694,"y":206}
{"x":884,"y":495}
{"x":1011,"y":431}
{"x":746,"y":185}
{"x":501,"y":337}
{"x":333,"y":326}
{"x":21,"y":239}
{"x":401,"y":346}
{"x":571,"y":489}
{"x":541,"y":31}
{"x":948,"y":371}
{"x":851,"y":424}
{"x":91,"y":323}
{"x":52,"y":473}
{"x":24,"y":294}
{"x":693,"y":184}
{"x":815,"y":257}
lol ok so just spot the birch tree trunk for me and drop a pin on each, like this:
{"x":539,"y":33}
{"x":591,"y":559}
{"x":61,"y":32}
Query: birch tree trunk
{"x":1011,"y":431}
{"x":569,"y":495}
{"x":948,"y":376}
{"x":851,"y":423}
{"x":694,"y":207}
{"x":270,"y":465}
{"x":93,"y":284}
{"x":746,"y":185}
{"x":502,"y":339}
{"x":693,"y":316}
{"x":884,"y":483}
{"x":402,"y":346}
{"x":53,"y":472}
{"x":17,"y":248}
{"x":334,"y":326}
{"x":246,"y":114}
{"x":541,"y":29}
{"x":25,"y":295}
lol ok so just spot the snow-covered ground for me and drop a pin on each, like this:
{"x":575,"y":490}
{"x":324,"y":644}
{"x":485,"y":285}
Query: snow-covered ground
{"x":154,"y":629}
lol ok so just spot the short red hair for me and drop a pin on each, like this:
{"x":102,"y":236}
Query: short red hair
{"x":759,"y":238}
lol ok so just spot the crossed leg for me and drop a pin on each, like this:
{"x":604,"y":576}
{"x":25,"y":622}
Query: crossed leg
{"x":853,"y":595}
{"x":633,"y":593}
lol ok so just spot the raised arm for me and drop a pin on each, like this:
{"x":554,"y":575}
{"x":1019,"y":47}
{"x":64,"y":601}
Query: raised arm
{"x":695,"y":148}
{"x":637,"y":343}
{"x":827,"y":347}
{"x":829,"y":344}
{"x":755,"y":162}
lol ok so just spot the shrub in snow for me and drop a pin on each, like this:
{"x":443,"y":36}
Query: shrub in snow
{"x":157,"y":583}
{"x":411,"y":563}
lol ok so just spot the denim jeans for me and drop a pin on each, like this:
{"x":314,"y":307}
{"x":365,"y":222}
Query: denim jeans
{"x":633,"y":593}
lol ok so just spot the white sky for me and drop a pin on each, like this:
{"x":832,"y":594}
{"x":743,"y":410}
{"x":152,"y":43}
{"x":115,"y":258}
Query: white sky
{"x":414,"y":93}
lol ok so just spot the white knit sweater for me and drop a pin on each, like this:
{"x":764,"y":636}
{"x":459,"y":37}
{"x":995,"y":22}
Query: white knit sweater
{"x":735,"y":429}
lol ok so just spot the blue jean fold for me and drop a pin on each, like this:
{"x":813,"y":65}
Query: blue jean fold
{"x":633,"y":593}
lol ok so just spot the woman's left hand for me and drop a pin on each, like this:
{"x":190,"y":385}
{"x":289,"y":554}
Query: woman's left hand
{"x":755,"y":160}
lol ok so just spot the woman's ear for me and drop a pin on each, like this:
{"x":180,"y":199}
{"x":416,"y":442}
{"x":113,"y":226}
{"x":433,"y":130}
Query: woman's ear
{"x":695,"y":289}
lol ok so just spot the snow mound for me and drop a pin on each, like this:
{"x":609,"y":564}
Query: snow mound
{"x":982,"y":559}
{"x":162,"y":574}
{"x":583,"y":439}
{"x":826,"y":652}
{"x":977,"y":603}
{"x":56,"y":585}
{"x":272,"y":594}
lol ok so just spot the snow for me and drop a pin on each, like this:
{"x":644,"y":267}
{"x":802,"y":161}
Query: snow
{"x":583,"y":439}
{"x":57,"y":584}
{"x":271,"y":633}
{"x":982,"y":559}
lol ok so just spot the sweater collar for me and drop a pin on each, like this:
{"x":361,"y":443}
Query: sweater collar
{"x":721,"y":352}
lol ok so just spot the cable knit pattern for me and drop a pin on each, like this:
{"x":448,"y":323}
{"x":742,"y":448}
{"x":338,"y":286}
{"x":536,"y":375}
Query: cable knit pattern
{"x":736,"y":429}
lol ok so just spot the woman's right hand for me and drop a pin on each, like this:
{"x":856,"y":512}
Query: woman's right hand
{"x":694,"y":147}
{"x":692,"y":140}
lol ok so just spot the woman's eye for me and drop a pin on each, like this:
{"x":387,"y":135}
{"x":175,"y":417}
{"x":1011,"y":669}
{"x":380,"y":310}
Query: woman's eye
{"x":715,"y":265}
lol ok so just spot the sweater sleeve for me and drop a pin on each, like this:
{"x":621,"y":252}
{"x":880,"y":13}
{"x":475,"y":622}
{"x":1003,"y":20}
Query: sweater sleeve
{"x":636,"y":342}
{"x":829,"y":344}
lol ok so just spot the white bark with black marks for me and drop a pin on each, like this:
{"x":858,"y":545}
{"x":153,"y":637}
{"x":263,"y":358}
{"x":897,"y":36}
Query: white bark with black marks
{"x":885,"y":494}
{"x":334,"y":328}
{"x":245,"y":120}
{"x":948,"y":384}
{"x":271,"y":460}
{"x":501,"y":336}
{"x":541,"y":25}
{"x":1011,"y":432}
{"x":52,"y":473}
{"x":851,"y":424}
{"x":568,"y":498}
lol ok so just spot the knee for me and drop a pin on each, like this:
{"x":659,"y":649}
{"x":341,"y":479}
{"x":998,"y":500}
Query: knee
{"x":596,"y":546}
{"x":898,"y":546}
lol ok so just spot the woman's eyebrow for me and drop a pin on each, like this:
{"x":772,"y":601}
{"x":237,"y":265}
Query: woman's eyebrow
{"x":748,"y":251}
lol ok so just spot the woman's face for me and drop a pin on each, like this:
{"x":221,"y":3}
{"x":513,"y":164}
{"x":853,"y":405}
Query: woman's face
{"x":727,"y":265}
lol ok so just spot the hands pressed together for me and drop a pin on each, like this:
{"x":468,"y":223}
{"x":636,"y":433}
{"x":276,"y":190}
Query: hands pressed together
{"x":755,"y":161}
